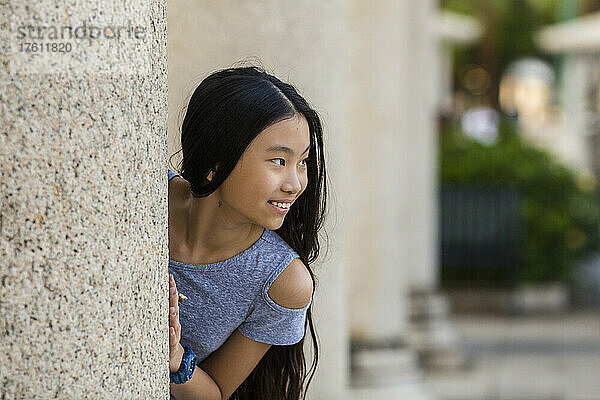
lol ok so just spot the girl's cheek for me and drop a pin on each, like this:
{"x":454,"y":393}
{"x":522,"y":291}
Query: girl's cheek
{"x":304,"y":183}
{"x":269,"y":181}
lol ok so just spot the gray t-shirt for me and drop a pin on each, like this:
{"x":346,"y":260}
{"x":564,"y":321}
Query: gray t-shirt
{"x":232,"y":294}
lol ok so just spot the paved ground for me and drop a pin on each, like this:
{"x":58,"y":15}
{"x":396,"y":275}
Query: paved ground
{"x":525,"y":358}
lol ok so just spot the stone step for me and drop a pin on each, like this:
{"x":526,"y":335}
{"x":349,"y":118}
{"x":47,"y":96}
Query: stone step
{"x":383,"y":367}
{"x":525,"y":299}
{"x":412,"y":391}
{"x":428,"y":306}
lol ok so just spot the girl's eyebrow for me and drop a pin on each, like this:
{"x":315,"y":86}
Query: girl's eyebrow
{"x":284,"y":149}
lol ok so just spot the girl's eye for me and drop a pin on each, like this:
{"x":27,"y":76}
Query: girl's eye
{"x":303,"y":161}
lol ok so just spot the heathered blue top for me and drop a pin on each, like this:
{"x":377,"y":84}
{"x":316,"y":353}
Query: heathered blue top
{"x":232,"y":294}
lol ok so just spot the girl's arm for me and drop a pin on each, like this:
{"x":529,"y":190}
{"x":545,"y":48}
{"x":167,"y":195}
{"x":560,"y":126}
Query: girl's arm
{"x":200,"y":387}
{"x":232,"y":363}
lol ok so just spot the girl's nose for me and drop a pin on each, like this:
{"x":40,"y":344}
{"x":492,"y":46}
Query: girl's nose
{"x":292,"y":184}
{"x":291,"y":188}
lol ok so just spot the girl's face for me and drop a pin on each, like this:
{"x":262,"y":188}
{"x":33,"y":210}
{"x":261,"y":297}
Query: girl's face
{"x":272,"y":168}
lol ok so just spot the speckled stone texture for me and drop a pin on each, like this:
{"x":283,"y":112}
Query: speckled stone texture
{"x":83,"y":207}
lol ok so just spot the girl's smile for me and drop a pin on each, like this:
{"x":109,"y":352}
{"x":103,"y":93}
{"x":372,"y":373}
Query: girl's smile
{"x":283,"y":209}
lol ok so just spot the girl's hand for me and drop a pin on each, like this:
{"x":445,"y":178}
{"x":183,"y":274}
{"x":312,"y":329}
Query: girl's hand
{"x":175,"y":349}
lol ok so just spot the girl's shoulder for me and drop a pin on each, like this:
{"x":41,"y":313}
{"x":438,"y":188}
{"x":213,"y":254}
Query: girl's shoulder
{"x":275,"y":252}
{"x":179,"y":189}
{"x":175,"y":178}
{"x":276,"y":242}
{"x":178,"y":192}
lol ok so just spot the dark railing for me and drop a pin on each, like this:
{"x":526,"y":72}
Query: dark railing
{"x":480,"y":235}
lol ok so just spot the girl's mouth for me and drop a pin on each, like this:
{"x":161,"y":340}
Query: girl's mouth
{"x":279,"y":209}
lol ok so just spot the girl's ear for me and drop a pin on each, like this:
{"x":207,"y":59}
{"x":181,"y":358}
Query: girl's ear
{"x":212,"y":172}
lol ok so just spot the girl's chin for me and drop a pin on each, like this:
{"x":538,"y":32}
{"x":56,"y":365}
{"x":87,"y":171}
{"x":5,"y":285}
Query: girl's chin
{"x":274,"y":224}
{"x":274,"y":227}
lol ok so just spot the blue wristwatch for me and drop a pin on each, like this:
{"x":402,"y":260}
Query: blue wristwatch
{"x":186,"y":369}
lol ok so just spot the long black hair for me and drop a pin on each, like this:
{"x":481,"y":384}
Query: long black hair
{"x":225,"y":113}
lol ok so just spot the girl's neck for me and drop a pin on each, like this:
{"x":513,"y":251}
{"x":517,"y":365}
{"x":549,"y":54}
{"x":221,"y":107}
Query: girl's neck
{"x":210,"y":233}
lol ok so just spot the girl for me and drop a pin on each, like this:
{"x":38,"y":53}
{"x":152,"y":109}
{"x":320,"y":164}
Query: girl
{"x":243,"y":220}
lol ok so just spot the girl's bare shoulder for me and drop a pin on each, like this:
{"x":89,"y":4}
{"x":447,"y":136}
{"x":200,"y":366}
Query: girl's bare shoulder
{"x":179,"y":192}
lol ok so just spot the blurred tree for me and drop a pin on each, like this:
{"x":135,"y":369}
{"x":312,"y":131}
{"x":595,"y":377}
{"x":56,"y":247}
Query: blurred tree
{"x":559,"y":211}
{"x":509,"y":28}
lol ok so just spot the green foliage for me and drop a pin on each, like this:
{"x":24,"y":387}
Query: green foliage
{"x":548,"y":10}
{"x":559,"y":212}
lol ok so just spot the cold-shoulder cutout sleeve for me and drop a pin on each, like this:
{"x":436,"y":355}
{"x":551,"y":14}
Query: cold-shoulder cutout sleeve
{"x":269,"y":322}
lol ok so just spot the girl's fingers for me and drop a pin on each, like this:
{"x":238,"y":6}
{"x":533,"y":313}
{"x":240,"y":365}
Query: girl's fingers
{"x":172,"y":338}
{"x":173,"y":298}
{"x":174,"y":331}
{"x":173,"y":295}
{"x":174,"y":326}
{"x":174,"y":319}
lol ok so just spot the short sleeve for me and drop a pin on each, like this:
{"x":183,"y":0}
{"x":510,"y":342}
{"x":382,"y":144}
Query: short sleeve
{"x":269,"y":322}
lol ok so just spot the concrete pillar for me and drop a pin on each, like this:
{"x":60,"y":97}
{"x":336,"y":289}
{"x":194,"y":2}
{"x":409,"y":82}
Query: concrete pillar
{"x":429,"y":333}
{"x":420,"y":220}
{"x":383,"y":137}
{"x":83,"y":210}
{"x":302,"y":43}
{"x":573,"y":143}
{"x":378,"y":313}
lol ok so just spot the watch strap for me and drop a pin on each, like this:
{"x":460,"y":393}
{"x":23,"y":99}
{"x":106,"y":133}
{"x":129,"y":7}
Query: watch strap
{"x":186,"y":368}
